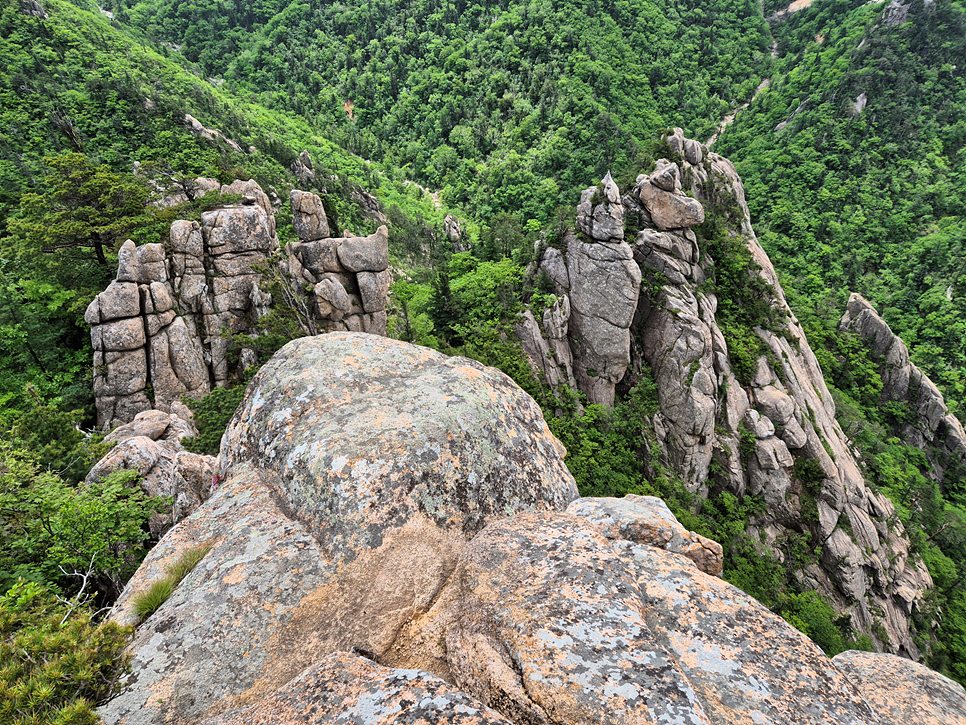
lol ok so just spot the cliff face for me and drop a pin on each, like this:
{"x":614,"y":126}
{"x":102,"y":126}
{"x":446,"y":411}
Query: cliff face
{"x":771,"y":433}
{"x":397,"y":539}
{"x":930,"y":427}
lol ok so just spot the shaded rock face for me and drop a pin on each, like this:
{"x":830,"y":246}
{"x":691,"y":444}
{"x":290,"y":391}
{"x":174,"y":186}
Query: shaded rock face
{"x":587,"y":333}
{"x":900,"y":691}
{"x":161,"y":330}
{"x":350,"y":578}
{"x":933,"y":428}
{"x":757,"y":435}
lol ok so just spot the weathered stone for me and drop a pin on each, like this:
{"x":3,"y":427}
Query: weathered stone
{"x":308,"y":216}
{"x":600,"y":214}
{"x":934,"y":429}
{"x":604,"y":288}
{"x":347,"y":688}
{"x":332,"y":299}
{"x":670,"y":210}
{"x":744,"y":663}
{"x":901,"y":691}
{"x":647,"y":520}
{"x":374,"y":289}
{"x":165,"y":470}
{"x":549,"y":628}
{"x":365,"y":254}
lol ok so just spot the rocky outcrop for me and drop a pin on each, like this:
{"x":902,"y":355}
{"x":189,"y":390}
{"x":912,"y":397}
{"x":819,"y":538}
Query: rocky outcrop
{"x":648,"y":520}
{"x":598,"y":286}
{"x":932,"y":427}
{"x":900,"y":691}
{"x":162,"y":331}
{"x":390,"y":544}
{"x":159,"y":331}
{"x":771,"y":433}
{"x":348,"y":276}
{"x":151,"y":446}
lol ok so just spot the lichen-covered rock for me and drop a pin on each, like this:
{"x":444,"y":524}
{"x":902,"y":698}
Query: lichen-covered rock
{"x":354,"y":471}
{"x":902,"y":692}
{"x":151,"y":446}
{"x":382,"y":499}
{"x":648,"y":520}
{"x":348,"y":688}
{"x":329,"y":415}
{"x":365,"y":254}
{"x":745,"y":664}
{"x":549,"y":628}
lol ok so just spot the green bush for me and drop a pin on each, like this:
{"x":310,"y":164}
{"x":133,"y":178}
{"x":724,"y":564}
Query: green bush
{"x":212,"y":415}
{"x":56,"y":665}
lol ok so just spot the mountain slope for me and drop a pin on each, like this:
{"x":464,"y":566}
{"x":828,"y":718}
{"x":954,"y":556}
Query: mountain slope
{"x":855,"y":164}
{"x":506,"y":106}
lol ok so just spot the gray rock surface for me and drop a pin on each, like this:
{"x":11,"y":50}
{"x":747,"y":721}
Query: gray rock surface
{"x":348,"y":688}
{"x":381,"y":499}
{"x":648,"y":520}
{"x":353,"y":472}
{"x":901,"y":692}
{"x":151,"y":445}
{"x":933,"y":429}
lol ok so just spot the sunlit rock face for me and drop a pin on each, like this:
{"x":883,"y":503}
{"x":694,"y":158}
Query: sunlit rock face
{"x":396,"y":538}
{"x":644,"y":306}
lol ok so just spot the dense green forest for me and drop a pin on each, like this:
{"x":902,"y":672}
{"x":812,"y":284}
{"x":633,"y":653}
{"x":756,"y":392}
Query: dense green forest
{"x":503,"y":106}
{"x":508,"y":109}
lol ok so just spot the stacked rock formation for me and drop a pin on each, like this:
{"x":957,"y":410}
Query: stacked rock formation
{"x":784,"y":415}
{"x":391,"y":545}
{"x":161,"y":330}
{"x":151,"y":445}
{"x":933,"y":428}
{"x":599,"y":285}
{"x":349,"y":276}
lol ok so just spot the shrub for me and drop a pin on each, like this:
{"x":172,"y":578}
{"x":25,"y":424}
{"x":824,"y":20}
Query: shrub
{"x":212,"y":415}
{"x":57,"y":664}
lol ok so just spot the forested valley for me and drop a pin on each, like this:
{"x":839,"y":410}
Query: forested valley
{"x":845,"y":119}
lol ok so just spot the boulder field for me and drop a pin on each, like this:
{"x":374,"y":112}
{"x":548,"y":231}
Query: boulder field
{"x":395,"y":538}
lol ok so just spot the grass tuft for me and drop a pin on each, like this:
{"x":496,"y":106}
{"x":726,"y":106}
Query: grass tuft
{"x":149,"y":601}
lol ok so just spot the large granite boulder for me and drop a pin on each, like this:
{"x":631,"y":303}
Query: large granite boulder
{"x":354,"y":470}
{"x":389,"y":543}
{"x":901,"y":691}
{"x":648,"y":520}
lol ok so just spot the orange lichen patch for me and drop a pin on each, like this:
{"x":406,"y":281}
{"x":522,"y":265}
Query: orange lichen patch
{"x":350,"y":688}
{"x":236,"y":575}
